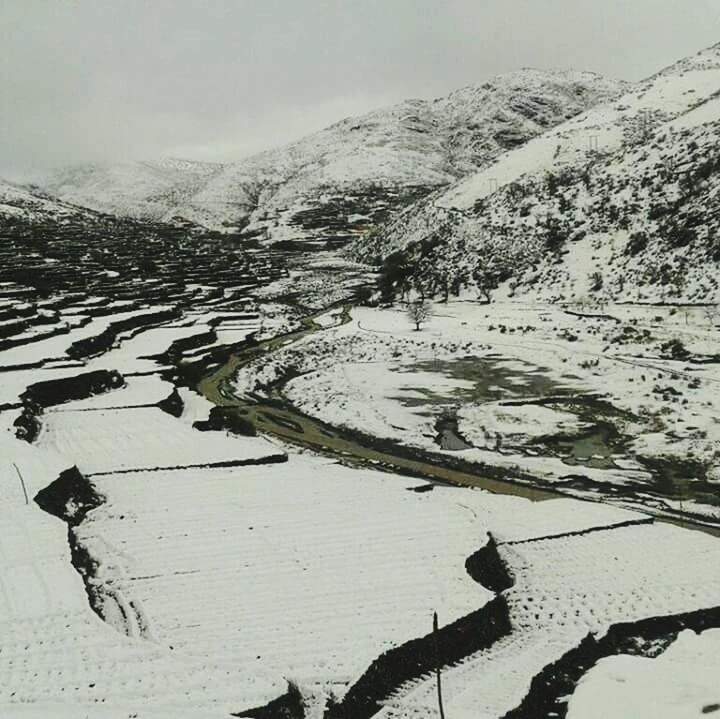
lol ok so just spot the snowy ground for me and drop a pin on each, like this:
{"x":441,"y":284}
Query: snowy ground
{"x":81,"y":327}
{"x":566,"y":587}
{"x":308,"y":570}
{"x":216,"y":583}
{"x":220,"y":583}
{"x":679,"y":684}
{"x":58,"y":659}
{"x":144,"y":438}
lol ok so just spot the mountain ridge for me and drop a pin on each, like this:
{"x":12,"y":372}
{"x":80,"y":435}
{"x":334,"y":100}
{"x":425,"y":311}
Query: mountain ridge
{"x":545,"y":218}
{"x":419,"y":144}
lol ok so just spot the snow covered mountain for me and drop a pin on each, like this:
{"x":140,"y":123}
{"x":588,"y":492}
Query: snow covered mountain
{"x":18,"y":203}
{"x":147,"y":190}
{"x":335,"y":182}
{"x":620,"y":202}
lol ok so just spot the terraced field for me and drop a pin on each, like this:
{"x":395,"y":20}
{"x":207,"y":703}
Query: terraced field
{"x":161,"y":556}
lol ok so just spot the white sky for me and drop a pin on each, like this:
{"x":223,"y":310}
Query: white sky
{"x":114,"y":80}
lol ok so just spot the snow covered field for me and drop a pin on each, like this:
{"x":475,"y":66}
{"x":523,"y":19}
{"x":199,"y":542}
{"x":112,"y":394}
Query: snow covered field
{"x":566,"y":587}
{"x":56,"y":347}
{"x":679,"y":684}
{"x":143,"y":438}
{"x":245,"y":576}
{"x":308,"y":570}
{"x":58,"y":659}
{"x":216,"y":585}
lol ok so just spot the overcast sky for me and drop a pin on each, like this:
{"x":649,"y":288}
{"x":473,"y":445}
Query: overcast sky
{"x":219,"y":79}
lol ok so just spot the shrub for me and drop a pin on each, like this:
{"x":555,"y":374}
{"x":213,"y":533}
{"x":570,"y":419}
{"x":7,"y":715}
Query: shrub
{"x":674,"y":349}
{"x":596,"y":281}
{"x":637,"y":243}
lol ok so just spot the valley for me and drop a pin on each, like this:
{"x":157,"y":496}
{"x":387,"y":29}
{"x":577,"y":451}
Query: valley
{"x":123,"y":456}
{"x":584,"y":442}
{"x":415,"y":416}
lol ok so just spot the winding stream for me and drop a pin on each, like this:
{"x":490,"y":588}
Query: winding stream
{"x":274,"y":415}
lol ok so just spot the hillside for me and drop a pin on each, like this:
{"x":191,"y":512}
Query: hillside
{"x":332,"y":184}
{"x":619,"y":203}
{"x":144,"y":190}
{"x":22,"y":204}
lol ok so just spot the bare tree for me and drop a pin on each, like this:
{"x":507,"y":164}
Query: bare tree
{"x":253,"y":190}
{"x":419,"y":312}
{"x":682,"y":490}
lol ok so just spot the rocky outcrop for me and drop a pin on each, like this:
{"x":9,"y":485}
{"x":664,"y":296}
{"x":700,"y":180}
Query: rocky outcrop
{"x":70,"y":497}
{"x":228,"y":419}
{"x":172,"y":404}
{"x":41,"y":395}
{"x":486,"y":567}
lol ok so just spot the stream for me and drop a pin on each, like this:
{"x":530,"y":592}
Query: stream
{"x":275,"y":416}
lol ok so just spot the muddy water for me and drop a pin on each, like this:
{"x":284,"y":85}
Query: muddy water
{"x":448,"y":436}
{"x":594,"y":448}
{"x":274,"y":418}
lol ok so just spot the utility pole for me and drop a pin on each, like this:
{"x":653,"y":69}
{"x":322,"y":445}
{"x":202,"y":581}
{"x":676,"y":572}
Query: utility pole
{"x":437,"y":665}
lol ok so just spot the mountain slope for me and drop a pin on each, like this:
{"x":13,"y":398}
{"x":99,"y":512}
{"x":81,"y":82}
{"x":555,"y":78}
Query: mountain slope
{"x":331,"y":184}
{"x":19,"y":203}
{"x":621,"y":201}
{"x":146,"y":190}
